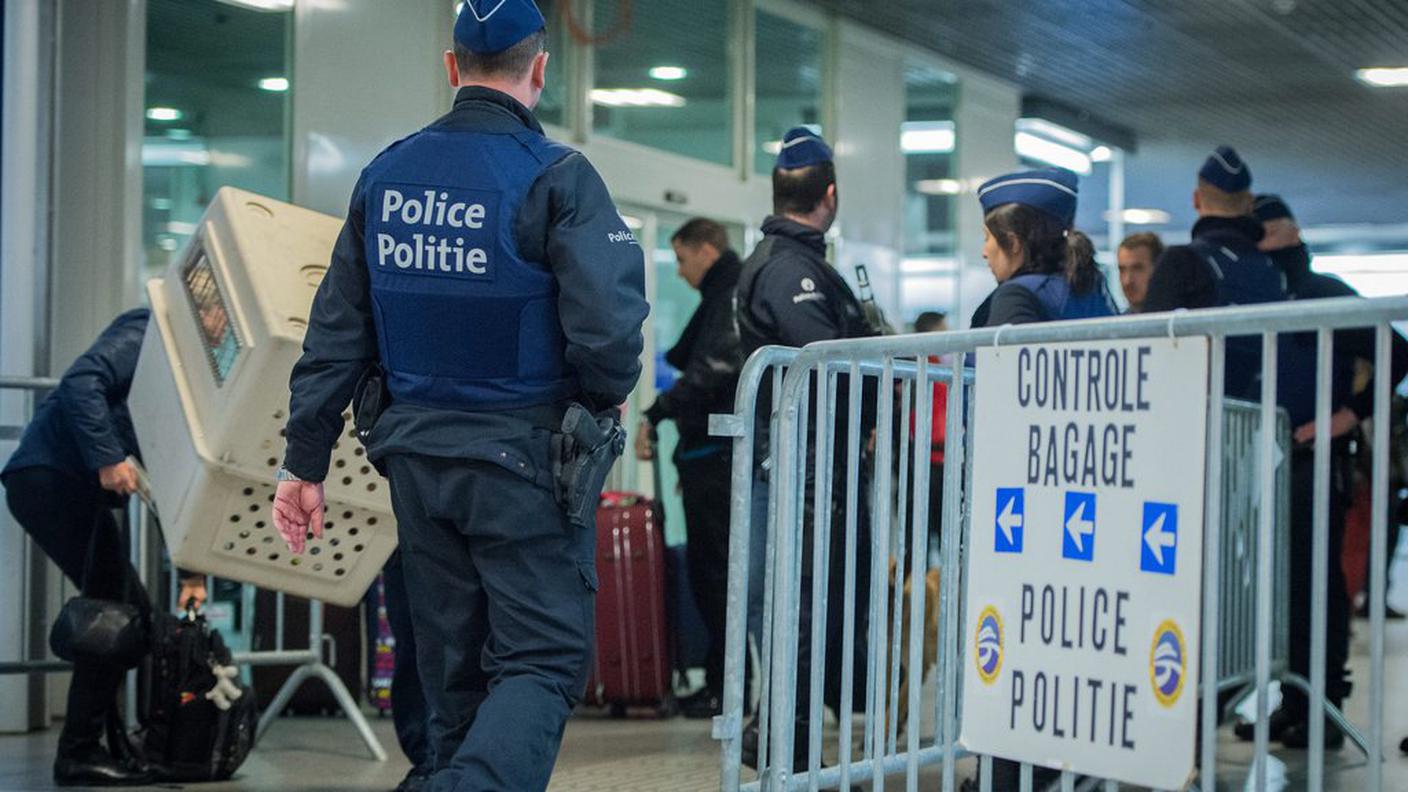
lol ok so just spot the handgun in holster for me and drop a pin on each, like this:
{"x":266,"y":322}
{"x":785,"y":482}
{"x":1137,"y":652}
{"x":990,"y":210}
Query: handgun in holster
{"x":369,"y":400}
{"x":584,"y":452}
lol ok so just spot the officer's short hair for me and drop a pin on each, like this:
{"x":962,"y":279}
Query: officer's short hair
{"x":1147,"y":240}
{"x":799,"y":190}
{"x":700,"y":231}
{"x":929,"y":321}
{"x":512,"y":62}
{"x":1218,"y":199}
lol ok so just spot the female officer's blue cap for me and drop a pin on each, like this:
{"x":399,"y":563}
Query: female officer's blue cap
{"x":1226,"y":171}
{"x":801,"y":148}
{"x":1049,"y":190}
{"x":485,"y":27}
{"x":1270,"y":207}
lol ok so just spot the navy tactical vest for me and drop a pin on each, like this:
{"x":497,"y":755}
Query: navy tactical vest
{"x":463,"y":321}
{"x":1058,"y":302}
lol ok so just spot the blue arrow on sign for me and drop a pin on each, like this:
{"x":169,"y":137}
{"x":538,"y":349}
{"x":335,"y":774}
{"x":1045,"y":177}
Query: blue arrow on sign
{"x":1010,"y":520}
{"x":1158,"y":548}
{"x":1078,"y":540}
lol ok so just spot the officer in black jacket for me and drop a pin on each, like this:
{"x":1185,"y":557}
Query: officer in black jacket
{"x":788,"y":294}
{"x":62,"y":483}
{"x":708,"y":358}
{"x":486,"y":277}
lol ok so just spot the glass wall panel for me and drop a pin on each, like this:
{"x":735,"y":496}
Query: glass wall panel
{"x":928,"y":139}
{"x":217,"y":92}
{"x":552,"y":106}
{"x":663,"y":78}
{"x":788,"y":84}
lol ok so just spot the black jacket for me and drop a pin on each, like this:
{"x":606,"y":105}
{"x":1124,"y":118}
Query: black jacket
{"x":567,"y":220}
{"x":789,"y":295}
{"x":708,"y":357}
{"x":1183,"y":279}
{"x":84,"y":424}
{"x":1305,"y":284}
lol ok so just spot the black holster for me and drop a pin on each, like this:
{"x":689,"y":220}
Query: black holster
{"x":369,"y":401}
{"x":583,"y":454}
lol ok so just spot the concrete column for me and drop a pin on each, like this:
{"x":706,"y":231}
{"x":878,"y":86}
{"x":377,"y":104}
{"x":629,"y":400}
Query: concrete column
{"x":987,"y":115}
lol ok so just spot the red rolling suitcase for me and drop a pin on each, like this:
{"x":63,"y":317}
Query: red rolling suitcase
{"x":631,"y":666}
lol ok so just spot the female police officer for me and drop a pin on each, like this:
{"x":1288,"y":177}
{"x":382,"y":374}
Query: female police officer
{"x":486,"y":271}
{"x":1045,"y":271}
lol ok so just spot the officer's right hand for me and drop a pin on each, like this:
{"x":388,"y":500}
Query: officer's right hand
{"x":120,"y":478}
{"x":298,"y":510}
{"x":645,"y":441}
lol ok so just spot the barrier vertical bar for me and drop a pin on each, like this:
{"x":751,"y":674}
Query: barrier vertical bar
{"x":786,"y":447}
{"x":950,"y":612}
{"x":1212,"y":563}
{"x":918,"y":560}
{"x":1378,"y":549}
{"x":848,"y":617}
{"x":771,"y":577}
{"x":1320,"y":549}
{"x":879,"y":549}
{"x":1267,"y":471}
{"x":901,"y":545}
{"x":821,"y":543}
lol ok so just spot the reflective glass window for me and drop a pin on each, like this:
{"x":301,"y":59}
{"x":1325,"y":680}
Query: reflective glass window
{"x":788,"y":84}
{"x":662,"y":76}
{"x":217,"y":93}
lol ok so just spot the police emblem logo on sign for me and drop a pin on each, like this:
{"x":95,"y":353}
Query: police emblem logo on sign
{"x":1167,"y":667}
{"x":428,"y":230}
{"x":988,"y":640}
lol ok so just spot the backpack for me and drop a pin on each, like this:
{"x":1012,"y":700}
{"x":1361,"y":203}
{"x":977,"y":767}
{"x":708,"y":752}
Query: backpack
{"x":185,"y":733}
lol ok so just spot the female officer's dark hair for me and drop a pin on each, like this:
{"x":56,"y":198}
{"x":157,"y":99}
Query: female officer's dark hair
{"x":1049,"y":248}
{"x":512,"y":62}
{"x":799,"y":190}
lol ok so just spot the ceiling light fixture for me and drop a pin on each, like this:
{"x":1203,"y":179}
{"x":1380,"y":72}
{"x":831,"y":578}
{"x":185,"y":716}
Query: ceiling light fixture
{"x":1056,"y":132}
{"x":262,"y":5}
{"x":928,"y":137}
{"x":274,"y":84}
{"x":1384,"y":76}
{"x":1032,"y":147}
{"x":1142,"y":216}
{"x":938,"y":187}
{"x":1102,"y":154}
{"x":164,"y":114}
{"x":636,"y":97}
{"x":669,"y":73}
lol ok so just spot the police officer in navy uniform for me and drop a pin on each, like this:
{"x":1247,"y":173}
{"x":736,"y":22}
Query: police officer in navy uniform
{"x":788,"y":294}
{"x":485,"y":277}
{"x":1045,"y":269}
{"x":1224,"y":265}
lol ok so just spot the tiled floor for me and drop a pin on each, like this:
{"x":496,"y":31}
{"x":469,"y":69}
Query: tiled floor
{"x":324,"y":755}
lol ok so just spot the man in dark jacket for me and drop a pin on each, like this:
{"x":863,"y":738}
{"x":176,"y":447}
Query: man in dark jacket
{"x":508,"y":334}
{"x":788,"y":294}
{"x":708,"y":358}
{"x":70,"y":470}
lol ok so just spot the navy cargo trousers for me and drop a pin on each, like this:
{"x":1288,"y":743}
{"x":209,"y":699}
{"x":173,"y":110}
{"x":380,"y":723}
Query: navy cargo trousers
{"x":501,"y":590}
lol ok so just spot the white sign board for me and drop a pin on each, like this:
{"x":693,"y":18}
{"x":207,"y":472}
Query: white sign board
{"x":1085,"y":562}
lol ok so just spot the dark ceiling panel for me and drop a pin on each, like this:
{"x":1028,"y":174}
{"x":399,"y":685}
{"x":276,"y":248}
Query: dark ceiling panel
{"x":1274,"y":77}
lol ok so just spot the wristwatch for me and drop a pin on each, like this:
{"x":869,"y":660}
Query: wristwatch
{"x":284,"y":475}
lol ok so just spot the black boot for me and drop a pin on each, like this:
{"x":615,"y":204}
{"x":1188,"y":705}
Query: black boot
{"x":800,"y":748}
{"x":92,"y":766}
{"x":703,"y":704}
{"x":417,"y":779}
{"x":1297,"y":735}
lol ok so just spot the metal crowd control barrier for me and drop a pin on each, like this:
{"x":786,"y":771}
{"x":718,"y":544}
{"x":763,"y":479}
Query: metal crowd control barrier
{"x":1244,"y":562}
{"x":310,"y":661}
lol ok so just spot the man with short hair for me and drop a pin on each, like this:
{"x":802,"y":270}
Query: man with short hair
{"x":1137,"y":255}
{"x":708,"y":358}
{"x":789,"y":294}
{"x":486,"y":287}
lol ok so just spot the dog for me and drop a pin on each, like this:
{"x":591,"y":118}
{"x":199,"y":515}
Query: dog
{"x":930,"y":644}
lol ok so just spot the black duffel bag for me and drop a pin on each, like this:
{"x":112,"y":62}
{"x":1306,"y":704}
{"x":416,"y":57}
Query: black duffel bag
{"x":198,"y":720}
{"x":99,"y":630}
